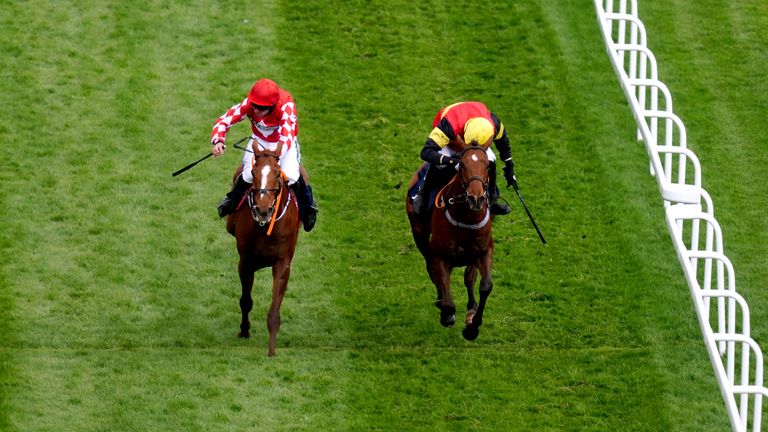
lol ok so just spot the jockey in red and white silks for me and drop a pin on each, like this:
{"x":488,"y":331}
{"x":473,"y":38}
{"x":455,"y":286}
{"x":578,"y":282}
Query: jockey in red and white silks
{"x":277,"y":124}
{"x":274,"y":122}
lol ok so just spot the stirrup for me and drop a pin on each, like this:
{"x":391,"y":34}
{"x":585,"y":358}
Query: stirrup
{"x":500,"y":209}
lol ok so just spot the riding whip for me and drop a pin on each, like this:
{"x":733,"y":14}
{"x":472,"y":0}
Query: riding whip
{"x":192,"y":164}
{"x":202,"y":159}
{"x":530,"y":216}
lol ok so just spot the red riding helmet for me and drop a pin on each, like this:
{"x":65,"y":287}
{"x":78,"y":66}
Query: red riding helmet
{"x":264,"y":93}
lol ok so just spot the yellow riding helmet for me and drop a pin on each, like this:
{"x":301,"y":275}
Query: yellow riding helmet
{"x":478,"y":130}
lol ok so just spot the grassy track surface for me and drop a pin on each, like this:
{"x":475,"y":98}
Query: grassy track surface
{"x":118,"y":284}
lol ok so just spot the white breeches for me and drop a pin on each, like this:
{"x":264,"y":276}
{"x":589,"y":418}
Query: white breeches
{"x":448,"y":152}
{"x":289,"y":161}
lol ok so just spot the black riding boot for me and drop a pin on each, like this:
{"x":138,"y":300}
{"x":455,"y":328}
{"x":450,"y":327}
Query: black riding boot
{"x":233,"y":197}
{"x":497,"y":208}
{"x":307,"y":205}
{"x":421,"y":199}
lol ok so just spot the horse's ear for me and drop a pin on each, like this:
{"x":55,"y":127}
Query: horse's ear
{"x":279,"y":148}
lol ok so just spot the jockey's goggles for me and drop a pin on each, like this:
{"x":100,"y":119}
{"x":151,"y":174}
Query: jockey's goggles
{"x":261,"y":107}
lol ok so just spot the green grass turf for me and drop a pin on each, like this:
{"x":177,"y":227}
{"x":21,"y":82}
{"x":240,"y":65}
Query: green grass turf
{"x":118,"y":283}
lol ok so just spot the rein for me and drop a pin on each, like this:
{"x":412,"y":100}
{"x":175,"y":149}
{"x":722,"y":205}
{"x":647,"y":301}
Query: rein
{"x":460,"y":198}
{"x":282,"y":213}
{"x":439,"y":202}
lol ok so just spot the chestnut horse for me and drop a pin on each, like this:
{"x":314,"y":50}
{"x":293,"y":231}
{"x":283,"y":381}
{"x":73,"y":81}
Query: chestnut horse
{"x":459,"y":234}
{"x":266,"y":227}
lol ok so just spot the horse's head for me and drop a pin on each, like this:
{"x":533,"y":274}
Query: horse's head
{"x":267,"y":185}
{"x":473,"y":173}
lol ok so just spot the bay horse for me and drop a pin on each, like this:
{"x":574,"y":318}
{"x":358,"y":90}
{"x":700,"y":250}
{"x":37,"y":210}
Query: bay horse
{"x":459,"y":234}
{"x":266,"y":229}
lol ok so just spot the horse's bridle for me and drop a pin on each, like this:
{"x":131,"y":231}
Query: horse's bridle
{"x":264,"y":191}
{"x":256,"y":191}
{"x":462,"y":198}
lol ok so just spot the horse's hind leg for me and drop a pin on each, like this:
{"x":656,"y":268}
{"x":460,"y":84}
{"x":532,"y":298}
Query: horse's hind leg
{"x":280,"y":273}
{"x":423,"y":244}
{"x":420,"y":233}
{"x":246,"y":302}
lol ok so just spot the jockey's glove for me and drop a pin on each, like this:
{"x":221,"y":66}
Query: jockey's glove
{"x":509,"y":173}
{"x":452,"y":161}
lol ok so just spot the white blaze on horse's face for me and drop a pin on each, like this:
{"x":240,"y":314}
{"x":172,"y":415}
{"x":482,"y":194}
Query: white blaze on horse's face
{"x":265,"y":170}
{"x":263,"y":206}
{"x":474,"y":158}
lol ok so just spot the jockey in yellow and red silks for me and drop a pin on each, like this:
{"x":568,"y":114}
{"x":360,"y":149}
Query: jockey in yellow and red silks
{"x":455,"y":127}
{"x":273,"y":117}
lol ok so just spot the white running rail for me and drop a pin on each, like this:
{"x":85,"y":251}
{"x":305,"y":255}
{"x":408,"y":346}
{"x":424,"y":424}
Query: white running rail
{"x":723,"y":314}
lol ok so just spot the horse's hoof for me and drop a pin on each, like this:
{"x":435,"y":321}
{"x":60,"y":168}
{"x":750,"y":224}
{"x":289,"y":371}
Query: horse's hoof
{"x":448,"y":321}
{"x":470,"y":333}
{"x":244,"y":334}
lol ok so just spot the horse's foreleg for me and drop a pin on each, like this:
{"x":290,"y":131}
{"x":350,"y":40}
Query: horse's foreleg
{"x":486,"y":285}
{"x":470,"y":276}
{"x":280,"y":273}
{"x":246,"y":302}
{"x":472,"y":328}
{"x":442,"y":279}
